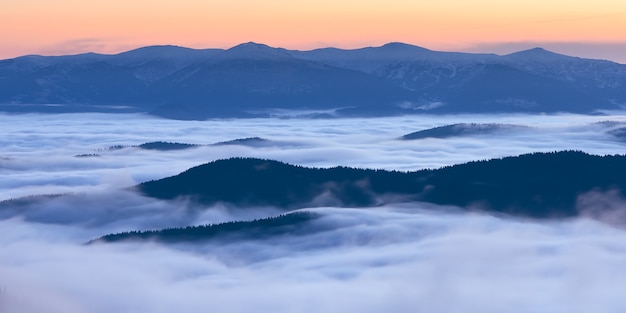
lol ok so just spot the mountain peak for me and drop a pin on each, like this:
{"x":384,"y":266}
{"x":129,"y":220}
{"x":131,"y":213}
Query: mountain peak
{"x":181,"y":56}
{"x":401,"y":46}
{"x":253,"y":50}
{"x":536,"y":54}
{"x":392,"y":50}
{"x":537,"y":50}
{"x":250,"y":45}
{"x":156,"y":50}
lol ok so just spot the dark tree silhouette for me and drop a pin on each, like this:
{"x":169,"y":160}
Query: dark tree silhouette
{"x":531,"y":185}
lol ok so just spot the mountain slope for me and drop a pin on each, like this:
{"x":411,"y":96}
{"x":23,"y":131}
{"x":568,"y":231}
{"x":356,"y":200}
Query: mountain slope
{"x":255,"y":182}
{"x":252,"y":79}
{"x":533,"y":80}
{"x":539,"y":186}
{"x":91,"y":82}
{"x":536,"y":185}
{"x":461,"y":129}
{"x":292,"y":224}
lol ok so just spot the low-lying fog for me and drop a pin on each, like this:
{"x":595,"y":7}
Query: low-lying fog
{"x":39,"y":152}
{"x":378,"y":260}
{"x":399,"y":258}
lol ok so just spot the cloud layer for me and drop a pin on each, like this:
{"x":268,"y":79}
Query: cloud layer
{"x":409,"y":258}
{"x":395,"y":258}
{"x":38,"y":154}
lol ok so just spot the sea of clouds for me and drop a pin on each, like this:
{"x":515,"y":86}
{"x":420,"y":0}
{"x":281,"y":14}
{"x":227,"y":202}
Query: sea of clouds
{"x":400,"y":258}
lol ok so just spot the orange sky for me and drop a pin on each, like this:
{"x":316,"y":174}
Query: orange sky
{"x":583,"y":28}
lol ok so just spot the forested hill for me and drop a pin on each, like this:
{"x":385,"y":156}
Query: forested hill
{"x":535,"y":185}
{"x":292,"y":224}
{"x":256,"y":182}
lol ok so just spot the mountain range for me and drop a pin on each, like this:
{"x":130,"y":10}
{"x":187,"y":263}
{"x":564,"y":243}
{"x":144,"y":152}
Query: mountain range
{"x":253,"y":79}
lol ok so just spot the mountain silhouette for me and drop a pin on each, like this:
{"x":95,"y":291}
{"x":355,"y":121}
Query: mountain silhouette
{"x":461,"y":129}
{"x":538,"y":185}
{"x":292,"y":224}
{"x":251,"y":79}
{"x":166,"y":146}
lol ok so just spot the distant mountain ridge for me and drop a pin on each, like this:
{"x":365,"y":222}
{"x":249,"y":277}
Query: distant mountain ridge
{"x":461,"y":129}
{"x":250,"y":79}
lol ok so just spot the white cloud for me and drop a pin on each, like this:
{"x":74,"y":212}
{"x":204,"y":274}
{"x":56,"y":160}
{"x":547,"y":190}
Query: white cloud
{"x":375,"y":260}
{"x":39,"y":150}
{"x":399,"y":258}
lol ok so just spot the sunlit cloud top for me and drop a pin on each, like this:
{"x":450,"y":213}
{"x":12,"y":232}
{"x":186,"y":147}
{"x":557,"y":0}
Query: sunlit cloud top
{"x":589,"y":29}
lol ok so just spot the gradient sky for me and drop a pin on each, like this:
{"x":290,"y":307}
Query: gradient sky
{"x":594,"y":29}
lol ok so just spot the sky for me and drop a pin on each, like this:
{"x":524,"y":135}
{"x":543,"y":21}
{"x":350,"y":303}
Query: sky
{"x":591,"y":29}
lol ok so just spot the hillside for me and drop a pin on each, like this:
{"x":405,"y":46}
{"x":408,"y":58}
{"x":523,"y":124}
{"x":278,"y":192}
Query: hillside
{"x":292,"y":224}
{"x":461,"y":129}
{"x":539,"y":185}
